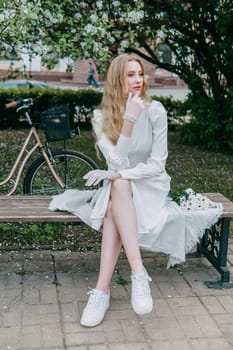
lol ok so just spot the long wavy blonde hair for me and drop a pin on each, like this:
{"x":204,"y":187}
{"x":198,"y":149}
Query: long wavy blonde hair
{"x":116,"y":93}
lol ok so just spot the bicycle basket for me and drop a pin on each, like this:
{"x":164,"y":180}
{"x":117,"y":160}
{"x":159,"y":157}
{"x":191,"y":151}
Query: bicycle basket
{"x":55,"y":122}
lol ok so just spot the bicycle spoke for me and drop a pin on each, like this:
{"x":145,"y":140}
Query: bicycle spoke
{"x":70,"y":166}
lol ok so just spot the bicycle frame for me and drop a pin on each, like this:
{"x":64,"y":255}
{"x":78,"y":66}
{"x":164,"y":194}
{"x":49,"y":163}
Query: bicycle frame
{"x":25,"y":154}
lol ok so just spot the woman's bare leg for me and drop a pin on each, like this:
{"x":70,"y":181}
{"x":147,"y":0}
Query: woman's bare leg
{"x":125,"y":219}
{"x":110,"y":249}
{"x":120,"y":227}
{"x":99,"y":298}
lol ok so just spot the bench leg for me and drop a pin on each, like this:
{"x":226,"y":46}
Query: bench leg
{"x":214,"y":245}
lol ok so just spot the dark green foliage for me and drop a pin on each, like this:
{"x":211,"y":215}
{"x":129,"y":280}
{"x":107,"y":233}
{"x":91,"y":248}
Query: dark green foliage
{"x":86,"y":99}
{"x":211,"y":124}
{"x":176,"y":109}
{"x":199,"y":35}
{"x":81,"y":103}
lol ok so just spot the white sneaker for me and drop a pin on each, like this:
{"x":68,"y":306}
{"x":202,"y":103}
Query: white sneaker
{"x":96,"y":307}
{"x":141,"y":299}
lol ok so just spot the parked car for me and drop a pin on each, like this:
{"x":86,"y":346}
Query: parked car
{"x":23,"y":84}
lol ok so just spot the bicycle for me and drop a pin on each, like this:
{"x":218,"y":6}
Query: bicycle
{"x":55,"y":170}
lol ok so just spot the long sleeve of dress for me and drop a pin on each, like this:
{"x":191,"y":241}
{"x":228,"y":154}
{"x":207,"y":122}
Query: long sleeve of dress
{"x":155,"y":164}
{"x":117,"y":156}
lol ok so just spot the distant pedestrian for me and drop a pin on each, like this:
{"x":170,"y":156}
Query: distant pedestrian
{"x":91,"y":76}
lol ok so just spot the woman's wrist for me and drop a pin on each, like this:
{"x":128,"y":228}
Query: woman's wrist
{"x":129,"y":118}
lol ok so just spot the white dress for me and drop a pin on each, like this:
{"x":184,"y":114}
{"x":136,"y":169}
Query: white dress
{"x":163,"y":226}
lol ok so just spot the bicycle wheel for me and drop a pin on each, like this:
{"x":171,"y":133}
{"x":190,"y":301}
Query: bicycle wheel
{"x":71,"y":166}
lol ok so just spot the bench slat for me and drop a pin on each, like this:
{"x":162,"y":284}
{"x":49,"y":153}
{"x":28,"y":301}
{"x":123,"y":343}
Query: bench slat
{"x":31,"y":209}
{"x":227,"y":204}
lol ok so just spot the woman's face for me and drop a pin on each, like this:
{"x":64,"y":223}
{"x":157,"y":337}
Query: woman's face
{"x":134,"y":79}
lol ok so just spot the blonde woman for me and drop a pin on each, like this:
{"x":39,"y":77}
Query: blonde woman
{"x":132,"y":207}
{"x":132,"y":135}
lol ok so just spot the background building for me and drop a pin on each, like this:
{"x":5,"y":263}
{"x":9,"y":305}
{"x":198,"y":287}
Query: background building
{"x":33,"y":69}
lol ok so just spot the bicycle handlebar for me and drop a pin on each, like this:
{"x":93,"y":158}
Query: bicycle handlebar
{"x":27,"y":102}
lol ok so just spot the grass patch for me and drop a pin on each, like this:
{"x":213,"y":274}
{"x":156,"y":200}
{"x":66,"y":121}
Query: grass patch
{"x":202,"y":170}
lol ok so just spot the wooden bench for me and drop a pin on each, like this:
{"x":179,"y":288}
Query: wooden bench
{"x":213,"y":245}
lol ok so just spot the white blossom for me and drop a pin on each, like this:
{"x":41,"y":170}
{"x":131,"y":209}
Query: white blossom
{"x":111,"y":39}
{"x":51,"y":18}
{"x":104,"y":16}
{"x":99,"y":4}
{"x":135,"y":16}
{"x":124,"y":43}
{"x":96,"y":47}
{"x":160,"y":34}
{"x":116,"y":3}
{"x":77,"y":16}
{"x":94,"y":18}
{"x":90,"y":29}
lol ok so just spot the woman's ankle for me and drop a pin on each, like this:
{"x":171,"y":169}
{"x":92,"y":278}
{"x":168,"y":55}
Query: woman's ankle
{"x":138,"y":270}
{"x":104,"y":289}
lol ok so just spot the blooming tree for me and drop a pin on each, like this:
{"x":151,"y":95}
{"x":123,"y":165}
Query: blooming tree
{"x":198,"y":33}
{"x":66,"y":28}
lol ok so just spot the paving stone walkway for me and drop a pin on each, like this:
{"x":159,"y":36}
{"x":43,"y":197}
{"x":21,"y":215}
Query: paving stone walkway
{"x":42,"y":294}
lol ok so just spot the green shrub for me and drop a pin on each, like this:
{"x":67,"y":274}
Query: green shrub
{"x":85,"y":99}
{"x":210,"y":125}
{"x":177,"y":110}
{"x":81,"y":103}
{"x":174,"y":108}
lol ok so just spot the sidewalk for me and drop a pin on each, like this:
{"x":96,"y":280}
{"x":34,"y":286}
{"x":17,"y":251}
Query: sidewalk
{"x":42,"y":295}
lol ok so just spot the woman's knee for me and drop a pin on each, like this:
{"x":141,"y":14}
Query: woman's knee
{"x":120,"y":186}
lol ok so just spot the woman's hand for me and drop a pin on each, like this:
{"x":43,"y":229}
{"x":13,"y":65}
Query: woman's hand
{"x":134,"y":107}
{"x":94,"y":177}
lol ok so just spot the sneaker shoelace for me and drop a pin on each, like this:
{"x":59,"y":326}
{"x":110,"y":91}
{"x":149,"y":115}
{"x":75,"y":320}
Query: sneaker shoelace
{"x":93,"y":298}
{"x":141,"y":285}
